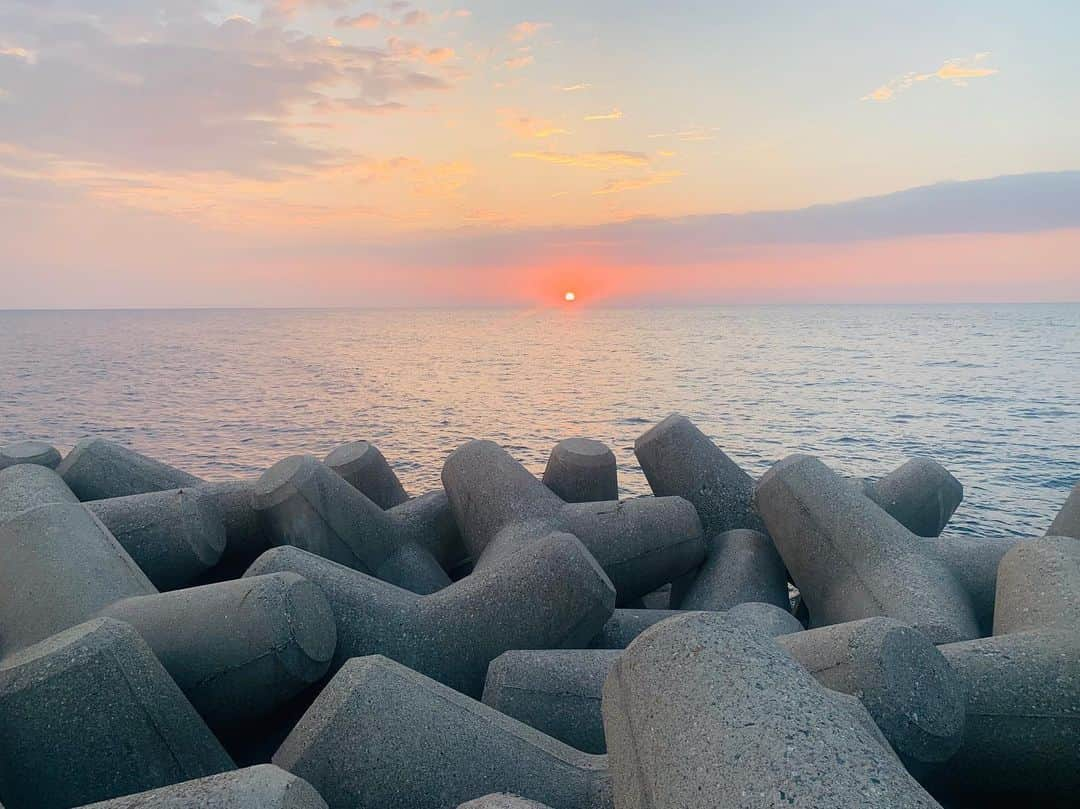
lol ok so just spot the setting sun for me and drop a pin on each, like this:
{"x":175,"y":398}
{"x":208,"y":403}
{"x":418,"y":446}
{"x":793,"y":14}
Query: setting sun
{"x":570,"y":297}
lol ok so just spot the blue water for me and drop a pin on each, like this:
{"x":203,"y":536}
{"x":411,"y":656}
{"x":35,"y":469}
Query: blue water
{"x":993,"y":392}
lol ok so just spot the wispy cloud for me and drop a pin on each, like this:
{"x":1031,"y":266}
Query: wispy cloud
{"x":614,"y":115}
{"x":689,"y":135}
{"x":637,"y":183}
{"x":366,"y":21}
{"x":526,"y":126}
{"x":527,"y":30}
{"x":518,"y":62}
{"x":603,"y":161}
{"x":574,"y":88}
{"x":955,"y":71}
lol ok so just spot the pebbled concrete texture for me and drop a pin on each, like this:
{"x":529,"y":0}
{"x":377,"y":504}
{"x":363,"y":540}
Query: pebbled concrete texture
{"x":174,"y":536}
{"x":900,"y":677}
{"x":1067,"y":521}
{"x":90,"y":714}
{"x":974,"y":563}
{"x":28,"y":486}
{"x":501,"y":507}
{"x":365,"y":468}
{"x":261,"y":787}
{"x":624,"y":625}
{"x":581,"y":470}
{"x":851,"y":560}
{"x":921,"y":495}
{"x":551,"y":594}
{"x":97,"y":469}
{"x":1021,"y":744}
{"x":38,"y":453}
{"x":502,"y":801}
{"x":678,"y":459}
{"x":1038,"y":586}
{"x":741,"y":566}
{"x":302,"y":502}
{"x":236,"y":647}
{"x":903,"y":681}
{"x":763,"y":731}
{"x":376,"y":720}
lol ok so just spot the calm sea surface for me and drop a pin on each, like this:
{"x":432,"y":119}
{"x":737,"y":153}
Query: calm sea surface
{"x":993,"y":392}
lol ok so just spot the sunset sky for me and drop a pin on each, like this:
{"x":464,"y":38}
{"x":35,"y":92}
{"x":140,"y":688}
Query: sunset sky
{"x":331,"y":152}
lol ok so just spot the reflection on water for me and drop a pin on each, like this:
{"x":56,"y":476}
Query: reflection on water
{"x":992,"y":392}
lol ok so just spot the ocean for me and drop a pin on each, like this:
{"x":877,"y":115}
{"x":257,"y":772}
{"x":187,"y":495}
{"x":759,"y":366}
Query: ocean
{"x":990,"y":391}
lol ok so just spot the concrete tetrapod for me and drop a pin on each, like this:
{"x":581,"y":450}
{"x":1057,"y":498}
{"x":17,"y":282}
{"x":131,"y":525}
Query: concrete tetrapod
{"x":1022,"y":737}
{"x":304,"y":503}
{"x":261,"y":787}
{"x":625,"y":625}
{"x":921,"y":495}
{"x":764,"y":732}
{"x":899,"y":676}
{"x":90,"y":714}
{"x":580,"y":470}
{"x":502,"y":801}
{"x":173,"y":538}
{"x":377,"y":720}
{"x":29,"y":452}
{"x":851,"y":560}
{"x":1067,"y":521}
{"x":97,"y":469}
{"x":500,"y":507}
{"x":551,"y":594}
{"x":428,"y":516}
{"x":741,"y":566}
{"x":236,"y":648}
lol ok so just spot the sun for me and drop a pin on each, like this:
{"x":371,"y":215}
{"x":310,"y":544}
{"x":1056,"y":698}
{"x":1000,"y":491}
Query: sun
{"x":569,"y":297}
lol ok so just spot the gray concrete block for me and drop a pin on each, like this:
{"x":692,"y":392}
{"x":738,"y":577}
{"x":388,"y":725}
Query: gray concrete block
{"x":236,"y":647}
{"x":304,"y":503}
{"x":700,"y":712}
{"x":556,"y":691}
{"x":1021,"y":744}
{"x":624,"y":625}
{"x":365,"y":469}
{"x":740,"y":566}
{"x":678,"y":459}
{"x":38,"y":453}
{"x":500,"y":507}
{"x":921,"y":495}
{"x":174,"y":536}
{"x":240,"y":648}
{"x":580,"y":470}
{"x":1067,"y":521}
{"x":897,"y":673}
{"x":261,"y":787}
{"x":381,"y":736}
{"x":502,"y":801}
{"x":550,"y":594}
{"x":90,"y":714}
{"x":1038,"y":586}
{"x":97,"y":469}
{"x":974,"y":562}
{"x":28,"y":486}
{"x":900,"y":677}
{"x":851,"y":560}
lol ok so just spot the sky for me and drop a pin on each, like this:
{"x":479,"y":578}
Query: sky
{"x":340,"y":153}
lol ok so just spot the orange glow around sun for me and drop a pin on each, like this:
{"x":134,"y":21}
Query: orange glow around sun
{"x":569,"y":297}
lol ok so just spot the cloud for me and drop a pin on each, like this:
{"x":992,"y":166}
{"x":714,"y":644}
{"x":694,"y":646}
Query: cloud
{"x":638,"y":183}
{"x":415,"y":17}
{"x":603,"y":161}
{"x":518,"y":62}
{"x":366,"y":21}
{"x":526,"y":126}
{"x":574,"y":88}
{"x":418,"y":53}
{"x":125,"y":90}
{"x":614,"y":115}
{"x":527,"y":30}
{"x":954,"y":71}
{"x":689,"y":135}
